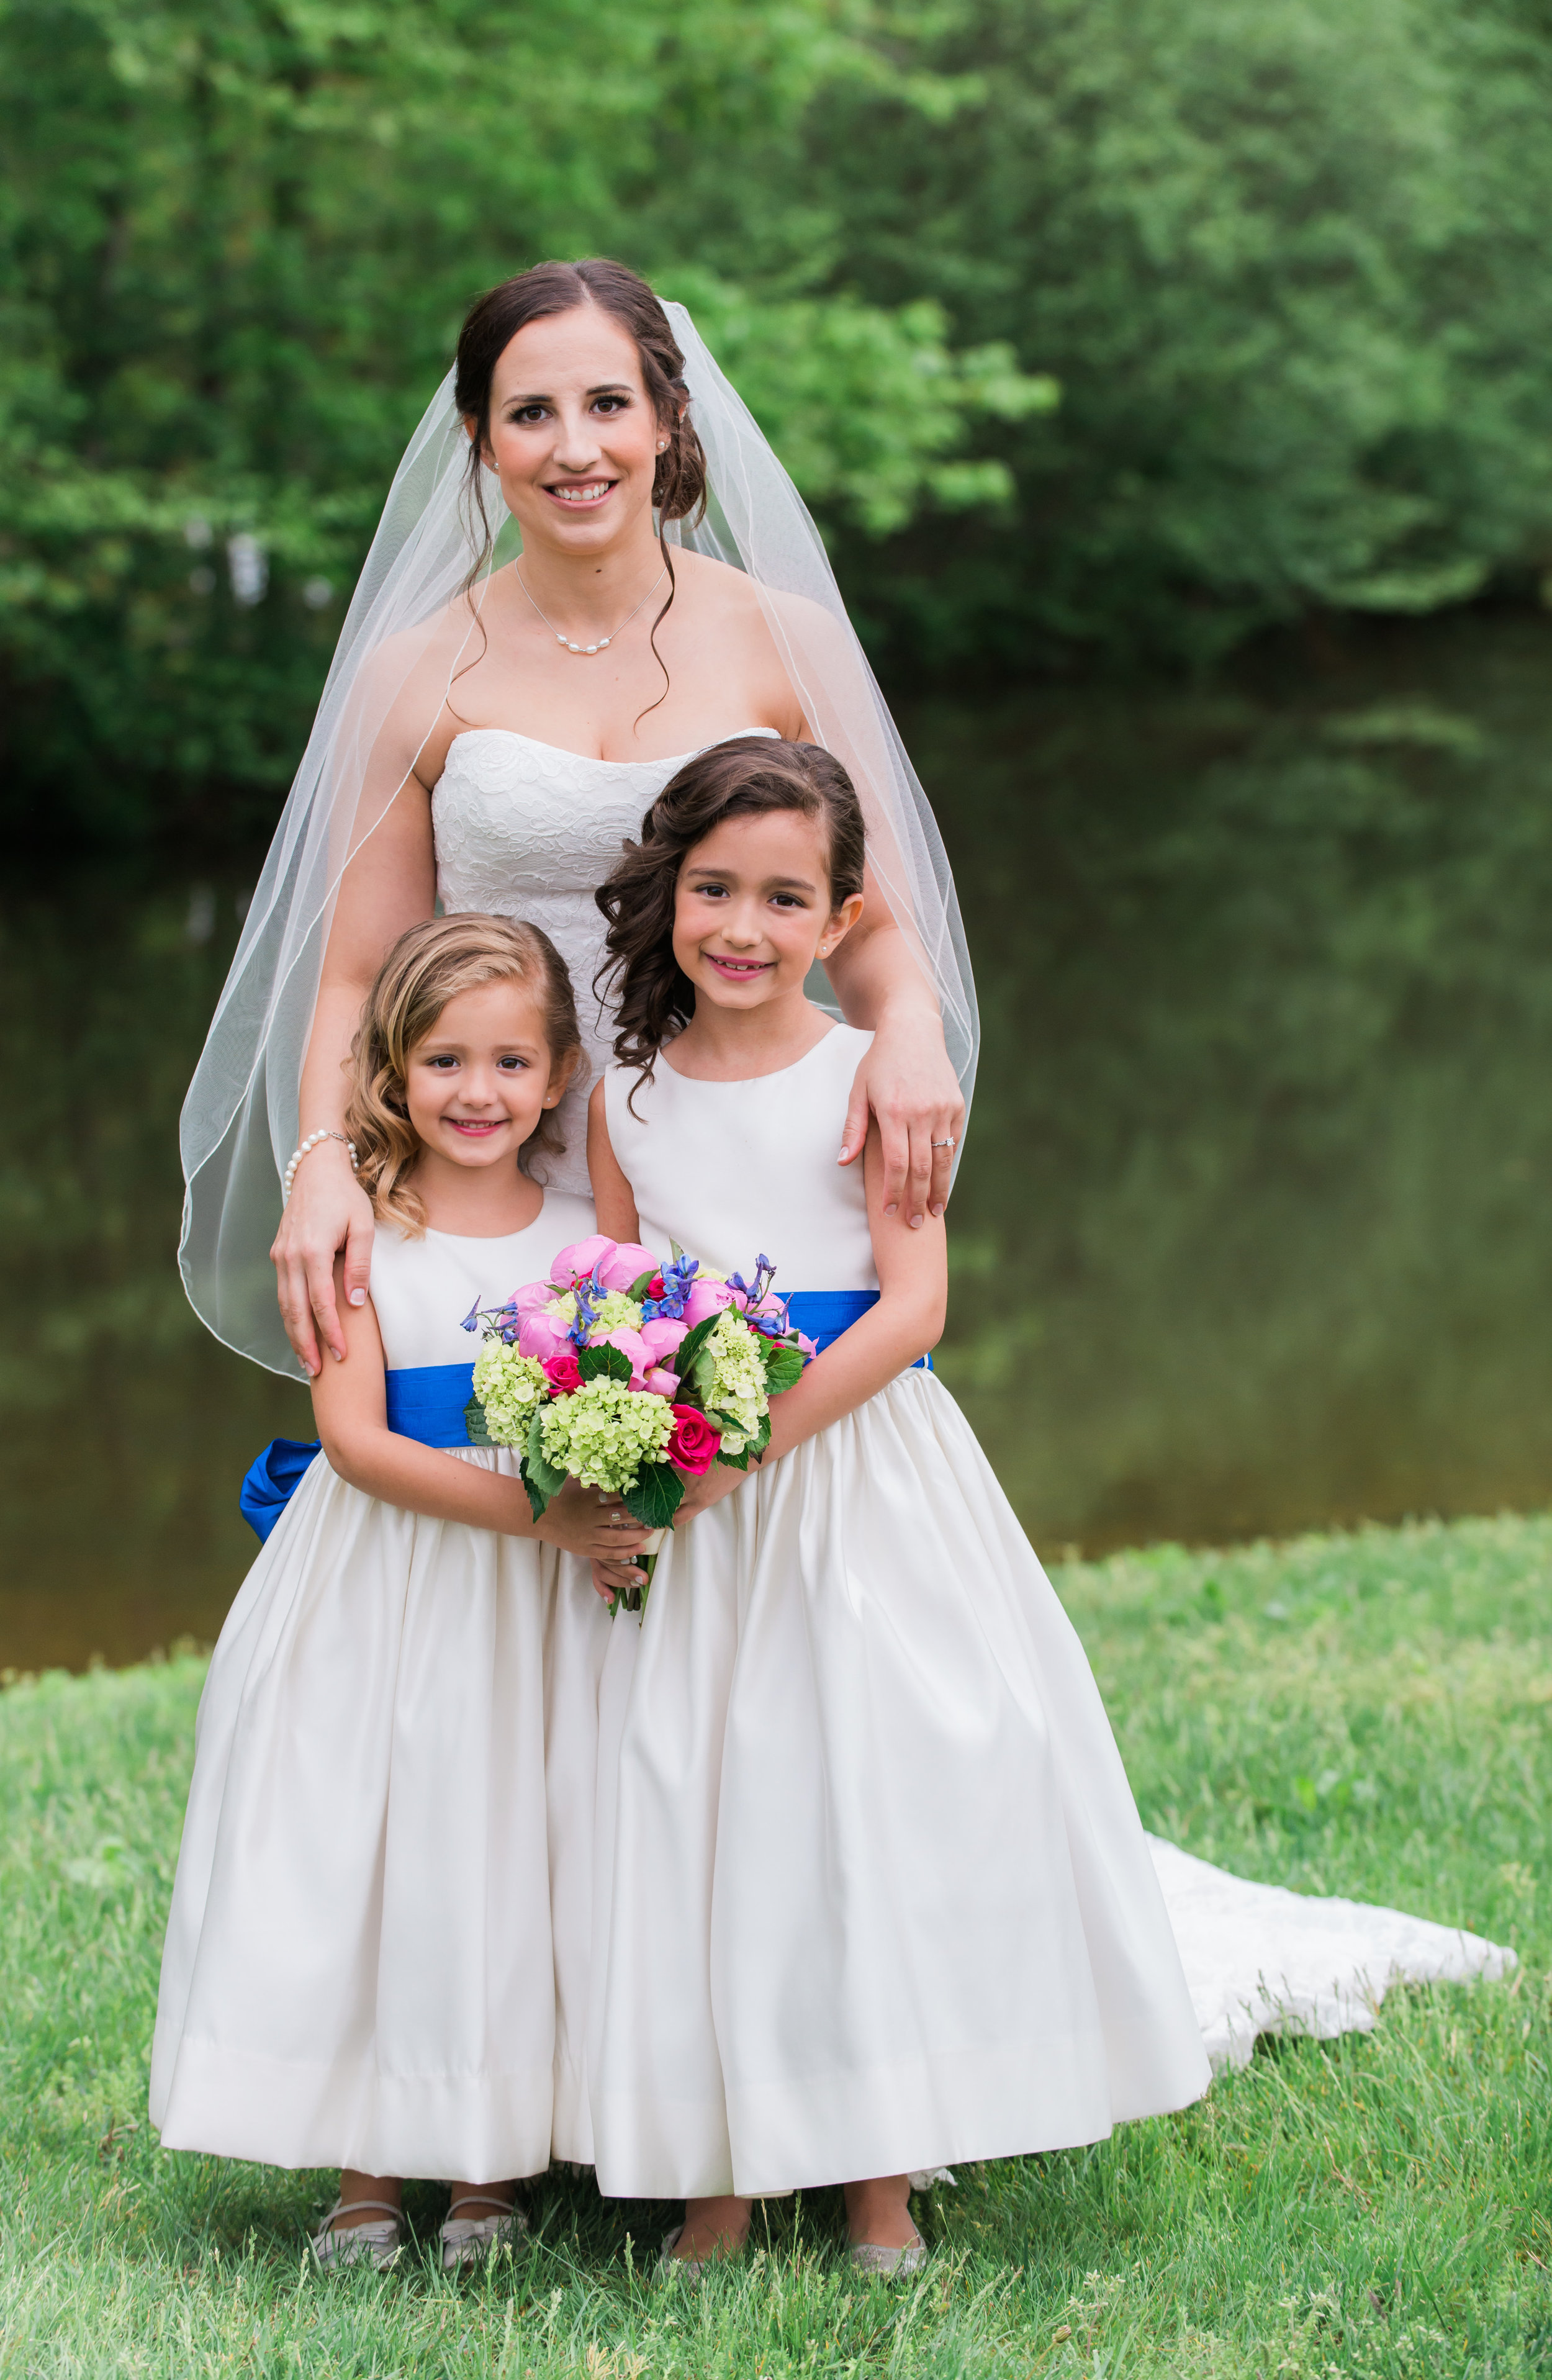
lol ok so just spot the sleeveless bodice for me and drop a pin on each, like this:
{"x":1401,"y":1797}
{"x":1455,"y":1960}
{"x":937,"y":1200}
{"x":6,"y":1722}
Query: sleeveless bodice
{"x":423,"y":1289}
{"x":526,"y":829}
{"x":736,"y":1170}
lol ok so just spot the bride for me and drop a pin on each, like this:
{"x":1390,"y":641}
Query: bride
{"x":589,"y":566}
{"x":531,"y":728}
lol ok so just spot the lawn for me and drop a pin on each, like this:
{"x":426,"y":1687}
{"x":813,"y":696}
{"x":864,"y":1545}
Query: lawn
{"x":1368,"y":1715}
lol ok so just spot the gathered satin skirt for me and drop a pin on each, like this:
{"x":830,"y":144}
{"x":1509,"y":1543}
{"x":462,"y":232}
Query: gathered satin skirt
{"x":365,"y":1964}
{"x":871,"y":1891}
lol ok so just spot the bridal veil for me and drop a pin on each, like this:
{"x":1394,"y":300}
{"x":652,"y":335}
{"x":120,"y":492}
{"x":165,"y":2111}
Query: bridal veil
{"x":404,"y":630}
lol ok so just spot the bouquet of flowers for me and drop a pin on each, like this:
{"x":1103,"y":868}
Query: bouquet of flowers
{"x":632,"y":1375}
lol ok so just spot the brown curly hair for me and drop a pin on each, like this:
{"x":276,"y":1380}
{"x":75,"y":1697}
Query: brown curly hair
{"x":428,"y":966}
{"x":494,"y":320}
{"x":746,"y":777}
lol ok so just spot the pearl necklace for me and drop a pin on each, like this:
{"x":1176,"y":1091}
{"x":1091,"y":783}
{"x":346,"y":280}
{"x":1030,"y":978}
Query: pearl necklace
{"x":604,"y":643}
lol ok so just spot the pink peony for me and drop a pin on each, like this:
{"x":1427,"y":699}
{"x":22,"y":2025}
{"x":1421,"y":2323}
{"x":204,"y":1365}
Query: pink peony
{"x":663,"y":1335}
{"x":662,"y":1384}
{"x":706,"y":1297}
{"x":563,"y":1374}
{"x":693,"y":1445}
{"x":532,"y":1297}
{"x":630,"y":1342}
{"x":575,"y":1263}
{"x":543,"y":1335}
{"x":627,"y":1263}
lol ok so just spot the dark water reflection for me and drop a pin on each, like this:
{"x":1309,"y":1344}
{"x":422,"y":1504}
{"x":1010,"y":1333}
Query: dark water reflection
{"x":1250,"y":1234}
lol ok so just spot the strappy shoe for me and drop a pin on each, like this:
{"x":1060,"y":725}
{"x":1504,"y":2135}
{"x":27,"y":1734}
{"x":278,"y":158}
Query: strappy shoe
{"x":465,"y":2239}
{"x":888,"y":2263}
{"x":358,"y":2243}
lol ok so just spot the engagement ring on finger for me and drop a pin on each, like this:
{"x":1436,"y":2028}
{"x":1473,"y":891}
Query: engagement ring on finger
{"x":943,"y":1144}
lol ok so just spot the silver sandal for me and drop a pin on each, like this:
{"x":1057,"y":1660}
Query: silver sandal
{"x":358,"y":2243}
{"x":465,"y":2239}
{"x":887,"y":2263}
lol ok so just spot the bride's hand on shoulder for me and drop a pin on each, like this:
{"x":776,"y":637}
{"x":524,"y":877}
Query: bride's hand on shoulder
{"x":908,"y":1083}
{"x":327,"y":1210}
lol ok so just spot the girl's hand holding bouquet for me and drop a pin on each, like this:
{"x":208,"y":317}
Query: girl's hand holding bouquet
{"x":632,"y":1377}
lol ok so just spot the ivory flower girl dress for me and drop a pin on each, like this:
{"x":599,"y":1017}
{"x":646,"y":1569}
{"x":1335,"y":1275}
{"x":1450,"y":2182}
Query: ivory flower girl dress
{"x":873,"y":1894}
{"x":360,"y":1965}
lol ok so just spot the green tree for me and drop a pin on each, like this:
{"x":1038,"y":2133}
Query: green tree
{"x":237,"y":241}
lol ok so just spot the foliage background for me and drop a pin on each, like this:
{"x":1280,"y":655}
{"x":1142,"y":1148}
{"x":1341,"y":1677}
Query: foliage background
{"x":1284,"y":259}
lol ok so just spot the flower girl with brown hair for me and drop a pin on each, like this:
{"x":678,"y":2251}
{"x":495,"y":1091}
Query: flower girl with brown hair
{"x":361,"y":1968}
{"x":873,"y":1892}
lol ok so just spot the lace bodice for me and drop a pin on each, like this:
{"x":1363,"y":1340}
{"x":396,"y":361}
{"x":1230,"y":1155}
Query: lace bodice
{"x":526,"y":829}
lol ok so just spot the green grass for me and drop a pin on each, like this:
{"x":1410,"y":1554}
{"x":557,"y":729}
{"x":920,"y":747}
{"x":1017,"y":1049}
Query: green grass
{"x":1367,"y":1715}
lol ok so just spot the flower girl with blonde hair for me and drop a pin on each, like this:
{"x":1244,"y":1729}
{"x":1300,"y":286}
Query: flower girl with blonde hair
{"x":873,"y":1892}
{"x":360,"y":1967}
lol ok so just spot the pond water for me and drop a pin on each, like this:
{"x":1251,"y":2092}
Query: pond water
{"x":1251,"y":1231}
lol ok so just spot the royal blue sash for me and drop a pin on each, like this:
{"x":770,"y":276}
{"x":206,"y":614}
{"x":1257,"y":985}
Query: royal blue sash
{"x":427,"y":1402}
{"x":823,"y":1314}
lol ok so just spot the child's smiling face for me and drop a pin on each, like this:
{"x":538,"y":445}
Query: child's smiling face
{"x":478,"y":1082}
{"x":753,"y":908}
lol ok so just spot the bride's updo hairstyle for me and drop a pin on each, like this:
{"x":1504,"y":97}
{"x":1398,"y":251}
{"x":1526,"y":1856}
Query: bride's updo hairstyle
{"x":428,"y":966}
{"x":748,"y":777}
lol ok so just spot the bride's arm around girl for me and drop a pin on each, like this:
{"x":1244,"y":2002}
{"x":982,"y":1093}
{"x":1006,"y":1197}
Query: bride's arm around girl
{"x":874,"y":1895}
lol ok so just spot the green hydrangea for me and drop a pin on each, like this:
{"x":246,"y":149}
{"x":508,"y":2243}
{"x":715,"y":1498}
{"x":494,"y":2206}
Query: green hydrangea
{"x":604,"y":1432}
{"x":612,"y":1310}
{"x":509,"y":1386}
{"x":738,"y":1382}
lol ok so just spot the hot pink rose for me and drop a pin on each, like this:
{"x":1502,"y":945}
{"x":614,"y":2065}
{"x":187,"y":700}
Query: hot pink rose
{"x":693,"y":1445}
{"x":627,"y":1264}
{"x":662,"y":1383}
{"x":706,"y":1297}
{"x":663,"y":1335}
{"x":563,"y":1374}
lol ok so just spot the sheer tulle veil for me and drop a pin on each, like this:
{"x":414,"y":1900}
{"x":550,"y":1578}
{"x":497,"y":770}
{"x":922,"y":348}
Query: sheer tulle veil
{"x":403,"y":639}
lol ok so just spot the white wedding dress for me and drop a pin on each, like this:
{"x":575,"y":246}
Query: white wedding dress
{"x":523,"y":829}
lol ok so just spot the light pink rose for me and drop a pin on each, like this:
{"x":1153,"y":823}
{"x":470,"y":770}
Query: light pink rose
{"x":706,"y":1297}
{"x":627,"y":1264}
{"x":543,"y":1335}
{"x":663,"y":1335}
{"x":662,"y":1383}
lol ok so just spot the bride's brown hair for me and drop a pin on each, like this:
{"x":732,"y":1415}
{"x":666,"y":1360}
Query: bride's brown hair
{"x":679,"y":481}
{"x":748,"y":777}
{"x":428,"y":966}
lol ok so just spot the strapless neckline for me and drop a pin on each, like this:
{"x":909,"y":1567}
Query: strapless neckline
{"x":671,"y":761}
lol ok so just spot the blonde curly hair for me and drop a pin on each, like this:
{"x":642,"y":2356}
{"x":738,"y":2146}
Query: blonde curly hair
{"x":427,"y":968}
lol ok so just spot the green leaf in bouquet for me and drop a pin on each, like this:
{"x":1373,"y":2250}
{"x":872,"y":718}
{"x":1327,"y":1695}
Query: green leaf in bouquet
{"x":703,"y":1373}
{"x":689,"y":1347}
{"x":600,"y":1363}
{"x":538,"y":1500}
{"x":657,"y":1495}
{"x":474,"y":1424}
{"x":539,"y":1473}
{"x":739,"y":1462}
{"x":724,"y":1421}
{"x":761,"y":1438}
{"x":783,"y":1365}
{"x":641,"y":1285}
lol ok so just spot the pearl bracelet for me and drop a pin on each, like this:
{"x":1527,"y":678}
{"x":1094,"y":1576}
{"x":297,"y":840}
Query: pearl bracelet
{"x":312,"y":1142}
